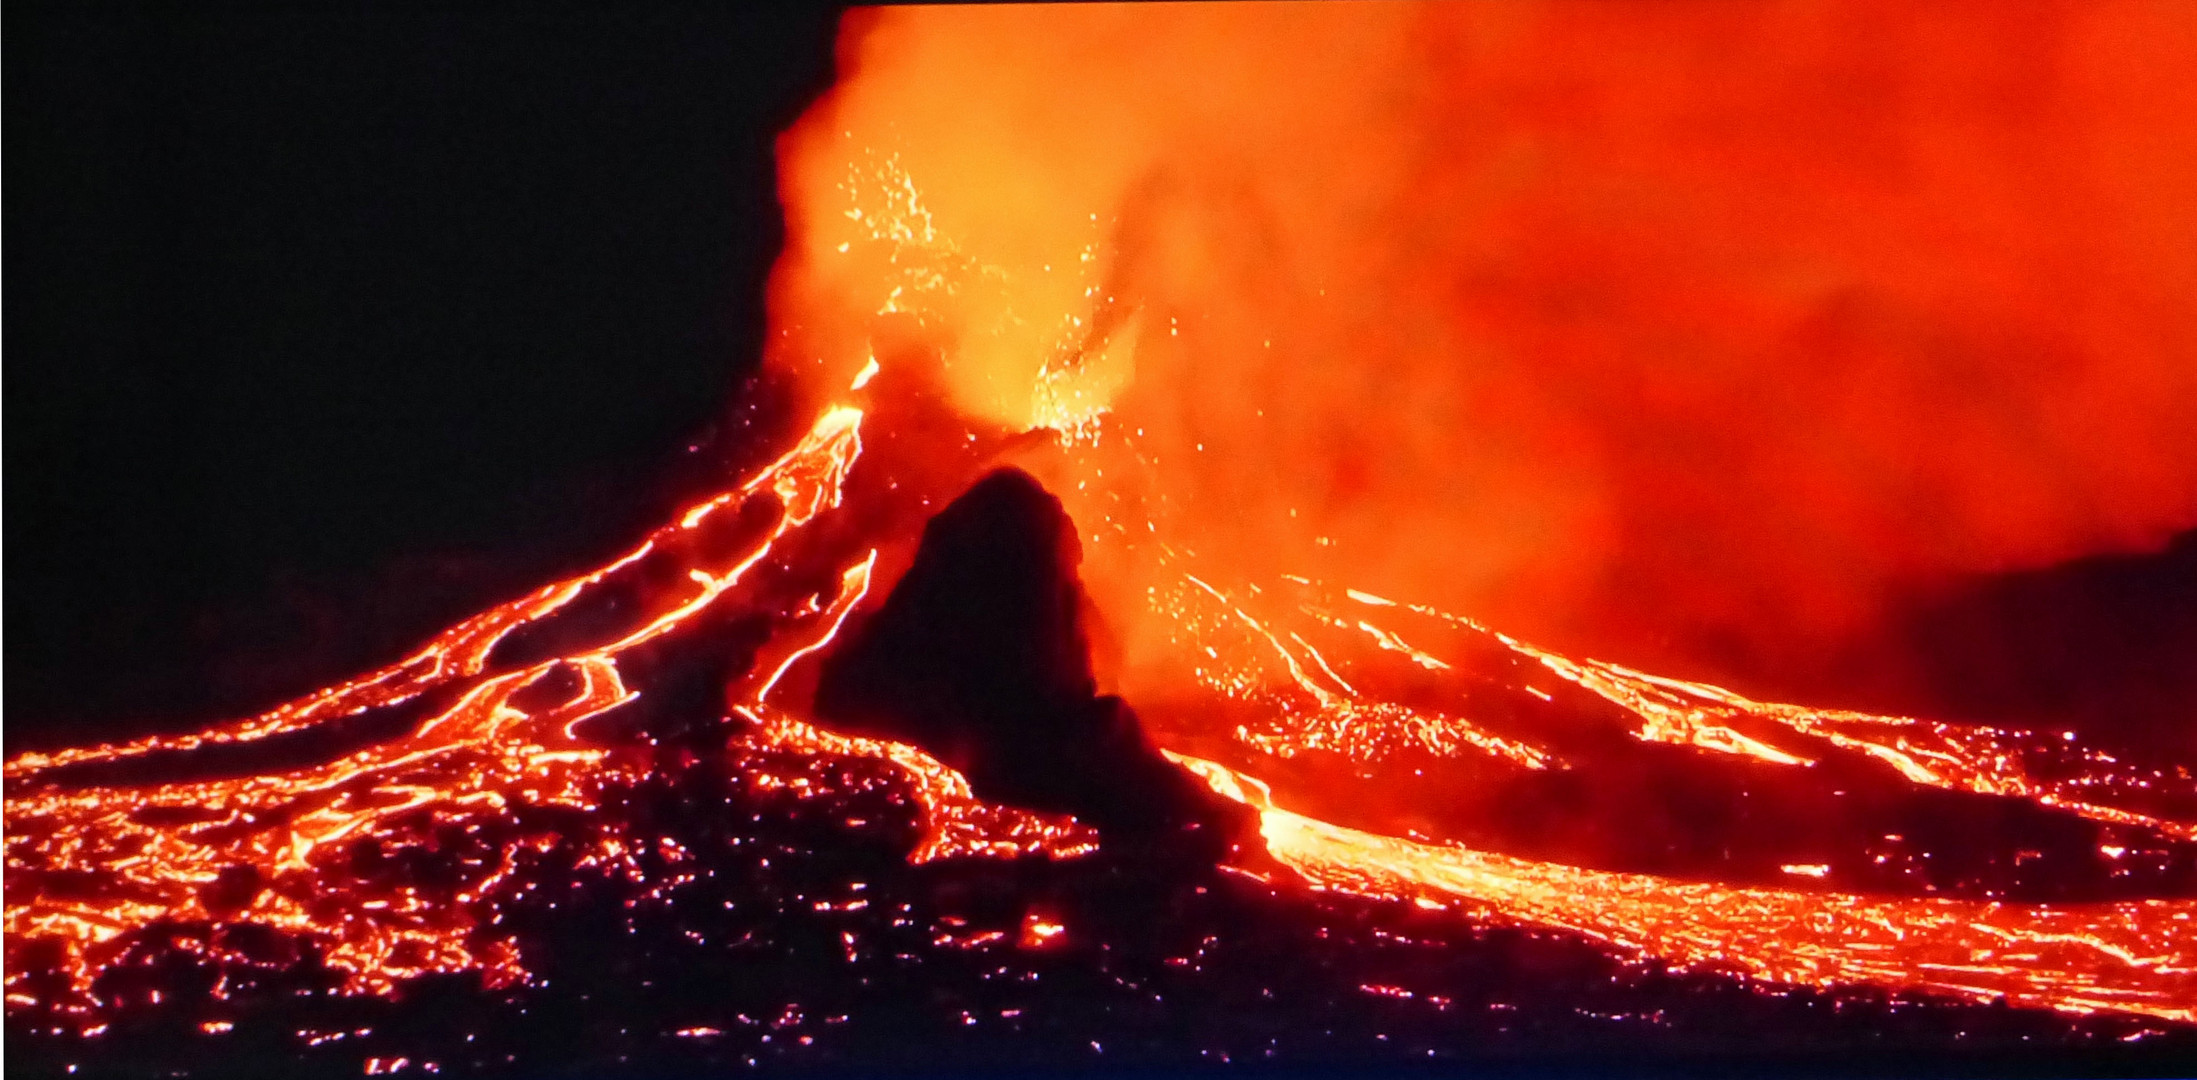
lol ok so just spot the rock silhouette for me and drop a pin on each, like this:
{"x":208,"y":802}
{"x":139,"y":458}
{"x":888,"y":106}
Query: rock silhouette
{"x":980,"y":656}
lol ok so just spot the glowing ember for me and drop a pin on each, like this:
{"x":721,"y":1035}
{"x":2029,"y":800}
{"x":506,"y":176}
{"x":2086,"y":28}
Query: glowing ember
{"x":1040,"y":932}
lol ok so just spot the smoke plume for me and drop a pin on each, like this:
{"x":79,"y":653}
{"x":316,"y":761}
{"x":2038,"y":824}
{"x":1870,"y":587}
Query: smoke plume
{"x":1673,"y":332}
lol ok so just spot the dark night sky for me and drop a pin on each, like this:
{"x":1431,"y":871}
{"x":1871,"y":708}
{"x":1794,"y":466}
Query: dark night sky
{"x":327,"y":324}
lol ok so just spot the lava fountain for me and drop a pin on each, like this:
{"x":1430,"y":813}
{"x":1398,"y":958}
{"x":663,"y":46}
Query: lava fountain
{"x":1622,"y":329}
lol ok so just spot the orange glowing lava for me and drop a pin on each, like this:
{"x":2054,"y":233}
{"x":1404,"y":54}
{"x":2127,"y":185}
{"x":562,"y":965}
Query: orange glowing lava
{"x":2132,"y":957}
{"x":1471,"y":358}
{"x":1303,"y":670}
{"x":87,"y":865}
{"x":1611,"y":325}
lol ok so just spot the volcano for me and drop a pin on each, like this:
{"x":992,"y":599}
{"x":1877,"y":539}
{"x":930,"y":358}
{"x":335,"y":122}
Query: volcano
{"x":600,"y":835}
{"x":1075,"y":674}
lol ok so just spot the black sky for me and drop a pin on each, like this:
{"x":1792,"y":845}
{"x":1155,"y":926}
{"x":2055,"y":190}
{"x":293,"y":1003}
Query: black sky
{"x":327,"y":324}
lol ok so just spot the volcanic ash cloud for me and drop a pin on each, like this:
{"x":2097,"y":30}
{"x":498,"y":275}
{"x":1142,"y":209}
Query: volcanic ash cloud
{"x":1657,"y":330}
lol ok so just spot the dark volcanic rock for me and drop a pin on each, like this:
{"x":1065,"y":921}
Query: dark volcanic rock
{"x":979,"y":656}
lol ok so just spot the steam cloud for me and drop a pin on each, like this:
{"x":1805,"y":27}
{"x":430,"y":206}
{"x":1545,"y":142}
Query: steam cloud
{"x":1663,"y":331}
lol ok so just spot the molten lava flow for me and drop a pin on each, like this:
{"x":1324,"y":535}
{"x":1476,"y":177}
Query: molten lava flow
{"x":1303,"y":677}
{"x":1960,"y":757}
{"x":1294,"y":324}
{"x":956,"y":821}
{"x":1974,"y":758}
{"x":2133,"y":957}
{"x":88,"y":866}
{"x":1589,"y":324}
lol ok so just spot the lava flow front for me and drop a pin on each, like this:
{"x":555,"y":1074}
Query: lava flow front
{"x":1085,"y":298}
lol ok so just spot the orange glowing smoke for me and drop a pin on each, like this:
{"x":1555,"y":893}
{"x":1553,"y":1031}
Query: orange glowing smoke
{"x":1672,"y":332}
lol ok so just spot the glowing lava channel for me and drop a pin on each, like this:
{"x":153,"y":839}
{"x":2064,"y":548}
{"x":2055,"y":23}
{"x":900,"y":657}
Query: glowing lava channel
{"x":2131,"y":957}
{"x":159,"y":853}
